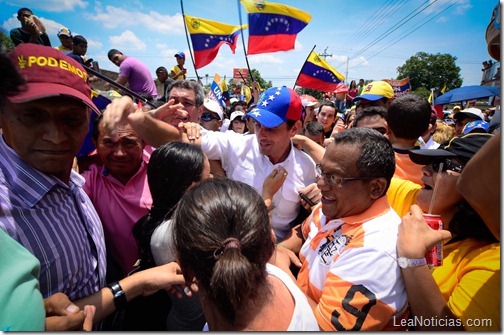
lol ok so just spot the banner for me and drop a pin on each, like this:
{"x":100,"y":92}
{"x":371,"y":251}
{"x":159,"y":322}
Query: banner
{"x":272,"y":26}
{"x":215,"y":92}
{"x":400,"y":87}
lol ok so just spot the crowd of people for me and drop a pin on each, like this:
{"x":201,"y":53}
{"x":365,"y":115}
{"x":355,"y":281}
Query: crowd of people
{"x":281,"y":214}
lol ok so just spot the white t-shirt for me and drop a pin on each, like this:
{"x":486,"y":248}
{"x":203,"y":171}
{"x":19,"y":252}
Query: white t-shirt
{"x":242,"y":161}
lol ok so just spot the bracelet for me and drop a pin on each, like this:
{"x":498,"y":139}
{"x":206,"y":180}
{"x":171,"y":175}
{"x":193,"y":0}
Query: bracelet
{"x":282,"y":245}
{"x":119,"y":295}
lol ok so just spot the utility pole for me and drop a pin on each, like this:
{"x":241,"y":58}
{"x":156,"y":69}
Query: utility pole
{"x":346,"y":71}
{"x":325,"y":54}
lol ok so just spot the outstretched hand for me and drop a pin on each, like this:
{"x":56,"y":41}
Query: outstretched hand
{"x":313,"y":193}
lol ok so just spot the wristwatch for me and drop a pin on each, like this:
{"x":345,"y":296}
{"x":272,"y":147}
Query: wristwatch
{"x":119,"y":295}
{"x":411,"y":262}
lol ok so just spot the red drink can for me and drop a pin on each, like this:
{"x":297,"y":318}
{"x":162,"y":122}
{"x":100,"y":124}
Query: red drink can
{"x":434,"y":256}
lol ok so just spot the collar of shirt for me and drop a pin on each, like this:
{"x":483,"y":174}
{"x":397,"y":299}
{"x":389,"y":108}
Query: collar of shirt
{"x":378,"y":208}
{"x":27,"y":182}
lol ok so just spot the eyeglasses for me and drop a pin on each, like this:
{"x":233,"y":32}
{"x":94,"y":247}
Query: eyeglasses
{"x":447,"y":165}
{"x":208,"y":117}
{"x":334,"y":180}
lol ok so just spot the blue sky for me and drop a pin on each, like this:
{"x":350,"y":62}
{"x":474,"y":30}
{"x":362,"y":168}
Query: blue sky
{"x":362,"y":31}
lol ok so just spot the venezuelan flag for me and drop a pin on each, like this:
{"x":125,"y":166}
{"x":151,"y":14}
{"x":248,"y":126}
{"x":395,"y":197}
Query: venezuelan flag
{"x":273,"y":27}
{"x":317,"y":74}
{"x":207,"y":37}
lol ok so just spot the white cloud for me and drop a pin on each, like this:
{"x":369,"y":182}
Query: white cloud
{"x":127,"y":41}
{"x":114,"y":17}
{"x":265,"y":59}
{"x":50,"y":5}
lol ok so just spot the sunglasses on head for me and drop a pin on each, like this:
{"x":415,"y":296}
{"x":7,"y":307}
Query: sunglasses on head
{"x":208,"y":117}
{"x":447,"y":165}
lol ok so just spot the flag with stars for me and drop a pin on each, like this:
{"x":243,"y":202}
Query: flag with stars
{"x":273,"y":27}
{"x":317,"y":74}
{"x":207,"y":37}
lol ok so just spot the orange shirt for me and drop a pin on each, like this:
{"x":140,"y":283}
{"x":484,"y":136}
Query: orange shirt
{"x":350,"y":269}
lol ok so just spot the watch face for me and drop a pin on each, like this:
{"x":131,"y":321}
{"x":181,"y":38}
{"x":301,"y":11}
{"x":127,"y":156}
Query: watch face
{"x":403,"y":262}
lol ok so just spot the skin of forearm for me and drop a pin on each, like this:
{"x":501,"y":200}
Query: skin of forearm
{"x":425,"y":298}
{"x":294,"y":239}
{"x":104,"y":300}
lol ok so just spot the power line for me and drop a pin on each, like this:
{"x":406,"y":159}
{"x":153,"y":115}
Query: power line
{"x":396,"y":26}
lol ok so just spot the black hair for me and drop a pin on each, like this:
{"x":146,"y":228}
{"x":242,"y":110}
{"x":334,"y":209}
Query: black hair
{"x":314,"y":128}
{"x":207,"y":215}
{"x":11,"y":81}
{"x":466,"y":223}
{"x":79,"y":39}
{"x":199,"y":92}
{"x":369,"y":111}
{"x":408,"y":116}
{"x":24,"y":9}
{"x":112,"y":52}
{"x":172,"y":168}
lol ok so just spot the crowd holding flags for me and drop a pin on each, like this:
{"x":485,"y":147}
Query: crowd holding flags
{"x":207,"y":37}
{"x":273,"y":27}
{"x":317,"y":74}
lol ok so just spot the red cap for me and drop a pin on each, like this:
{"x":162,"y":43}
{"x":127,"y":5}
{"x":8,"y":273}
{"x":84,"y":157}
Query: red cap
{"x":48,"y":73}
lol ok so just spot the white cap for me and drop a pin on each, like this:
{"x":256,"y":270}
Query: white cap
{"x":236,"y":114}
{"x":309,"y":103}
{"x":472,"y":112}
{"x":233,"y":100}
{"x":213,"y":106}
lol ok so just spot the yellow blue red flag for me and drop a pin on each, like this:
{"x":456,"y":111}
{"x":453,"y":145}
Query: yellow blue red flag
{"x":317,"y":74}
{"x":272,"y":26}
{"x":207,"y":37}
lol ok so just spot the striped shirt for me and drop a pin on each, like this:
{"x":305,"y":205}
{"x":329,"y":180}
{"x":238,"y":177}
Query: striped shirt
{"x":56,"y":222}
{"x":350,"y":269}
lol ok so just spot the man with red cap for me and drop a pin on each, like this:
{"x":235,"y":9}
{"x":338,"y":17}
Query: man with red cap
{"x":42,"y":204}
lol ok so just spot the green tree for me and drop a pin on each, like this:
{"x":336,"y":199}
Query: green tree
{"x":5,"y":41}
{"x":431,"y":71}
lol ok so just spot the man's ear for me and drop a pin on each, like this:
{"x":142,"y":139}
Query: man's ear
{"x":295,"y":128}
{"x":377,"y":187}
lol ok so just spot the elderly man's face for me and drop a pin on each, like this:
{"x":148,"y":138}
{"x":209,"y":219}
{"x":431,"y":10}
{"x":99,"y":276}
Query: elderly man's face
{"x":120,"y":151}
{"x":46,"y":133}
{"x":351,"y":197}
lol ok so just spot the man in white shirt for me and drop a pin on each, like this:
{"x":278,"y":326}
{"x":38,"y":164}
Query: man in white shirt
{"x":246,"y":158}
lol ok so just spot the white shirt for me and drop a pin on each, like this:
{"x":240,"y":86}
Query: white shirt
{"x":243,"y":162}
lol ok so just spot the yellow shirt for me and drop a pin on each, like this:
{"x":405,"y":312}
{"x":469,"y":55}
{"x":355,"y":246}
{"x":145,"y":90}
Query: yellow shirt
{"x":176,"y":70}
{"x":469,"y":280}
{"x":402,"y":194}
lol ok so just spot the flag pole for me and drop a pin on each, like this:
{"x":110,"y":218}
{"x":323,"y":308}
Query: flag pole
{"x":117,"y":85}
{"x":294,"y":87}
{"x":243,"y":41}
{"x":187,"y":37}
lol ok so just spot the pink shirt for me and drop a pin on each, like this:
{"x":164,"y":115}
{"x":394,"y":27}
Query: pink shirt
{"x":119,"y":207}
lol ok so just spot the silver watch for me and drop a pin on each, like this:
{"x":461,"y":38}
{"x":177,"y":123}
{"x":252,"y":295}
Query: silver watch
{"x":411,"y":262}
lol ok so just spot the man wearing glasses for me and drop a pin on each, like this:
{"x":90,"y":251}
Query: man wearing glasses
{"x":348,"y":244}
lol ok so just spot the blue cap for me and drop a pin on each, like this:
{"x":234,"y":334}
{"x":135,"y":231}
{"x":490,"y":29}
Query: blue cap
{"x":275,"y":106}
{"x":475,"y":127}
{"x":180,"y":54}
